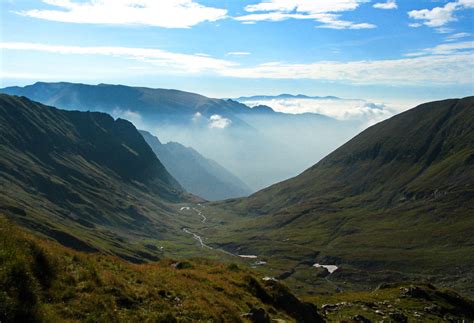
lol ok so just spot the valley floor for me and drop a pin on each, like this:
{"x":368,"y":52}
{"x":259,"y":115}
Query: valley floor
{"x":43,"y":281}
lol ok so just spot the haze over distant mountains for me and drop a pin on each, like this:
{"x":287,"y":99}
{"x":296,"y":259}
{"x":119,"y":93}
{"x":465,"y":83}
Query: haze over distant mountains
{"x":260,"y":146}
{"x":285,"y":96}
{"x":363,"y":111}
{"x":197,"y":174}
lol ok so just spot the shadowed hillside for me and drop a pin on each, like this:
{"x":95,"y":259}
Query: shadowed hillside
{"x":78,"y":176}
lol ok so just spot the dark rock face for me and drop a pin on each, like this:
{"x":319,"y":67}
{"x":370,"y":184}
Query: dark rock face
{"x":280,"y":297}
{"x":398,"y":317}
{"x":259,"y":316}
{"x":322,"y":272}
{"x":414,"y":292}
{"x":286,"y":274}
{"x":361,"y":318}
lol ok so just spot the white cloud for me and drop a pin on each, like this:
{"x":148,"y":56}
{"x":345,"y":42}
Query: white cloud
{"x":457,"y":36}
{"x":159,"y":13}
{"x":132,"y":116}
{"x":445,"y":65}
{"x":440,"y":16}
{"x":30,"y":76}
{"x":341,"y":109}
{"x":238,"y":53}
{"x":390,"y":4}
{"x":197,"y":117}
{"x":445,"y":49}
{"x":215,"y":121}
{"x":437,"y":69}
{"x":160,"y":58}
{"x":332,"y":21}
{"x":218,"y":122}
{"x":444,"y":30}
{"x":322,"y":11}
{"x":305,"y":6}
{"x":468,"y":4}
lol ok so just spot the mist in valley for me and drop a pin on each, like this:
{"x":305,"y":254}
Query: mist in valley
{"x":265,"y":148}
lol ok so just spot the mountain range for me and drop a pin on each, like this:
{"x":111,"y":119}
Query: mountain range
{"x":161,"y":105}
{"x":392,"y":206}
{"x":239,"y":138}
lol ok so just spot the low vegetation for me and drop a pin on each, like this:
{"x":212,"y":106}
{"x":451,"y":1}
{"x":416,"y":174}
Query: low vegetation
{"x":41,"y":280}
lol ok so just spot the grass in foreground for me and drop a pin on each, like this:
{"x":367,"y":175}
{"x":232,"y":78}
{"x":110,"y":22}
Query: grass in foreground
{"x":43,"y":281}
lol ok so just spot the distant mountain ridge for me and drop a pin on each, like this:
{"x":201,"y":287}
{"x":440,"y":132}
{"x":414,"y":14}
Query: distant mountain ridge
{"x":197,"y":174}
{"x":109,"y":97}
{"x":284,"y":96}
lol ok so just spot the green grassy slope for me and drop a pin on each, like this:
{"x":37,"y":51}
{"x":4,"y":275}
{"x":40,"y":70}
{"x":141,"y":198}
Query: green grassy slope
{"x":41,"y":281}
{"x":396,"y":201}
{"x":85,"y":179}
{"x":409,"y":156}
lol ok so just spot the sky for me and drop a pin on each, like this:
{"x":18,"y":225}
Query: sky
{"x":400,"y":52}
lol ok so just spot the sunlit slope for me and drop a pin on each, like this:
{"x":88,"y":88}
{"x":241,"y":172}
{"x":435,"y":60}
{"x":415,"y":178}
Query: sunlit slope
{"x":85,"y":179}
{"x":399,"y":197}
{"x":411,"y":156}
{"x":41,"y":281}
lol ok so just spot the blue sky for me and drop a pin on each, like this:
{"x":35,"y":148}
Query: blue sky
{"x":393,"y":51}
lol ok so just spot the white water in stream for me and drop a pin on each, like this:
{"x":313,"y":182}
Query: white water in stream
{"x":198,"y":238}
{"x":330,"y":268}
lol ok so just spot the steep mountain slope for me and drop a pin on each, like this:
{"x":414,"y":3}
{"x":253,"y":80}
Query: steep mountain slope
{"x":396,"y":201}
{"x":78,"y":176}
{"x":415,"y":154}
{"x":198,"y":175}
